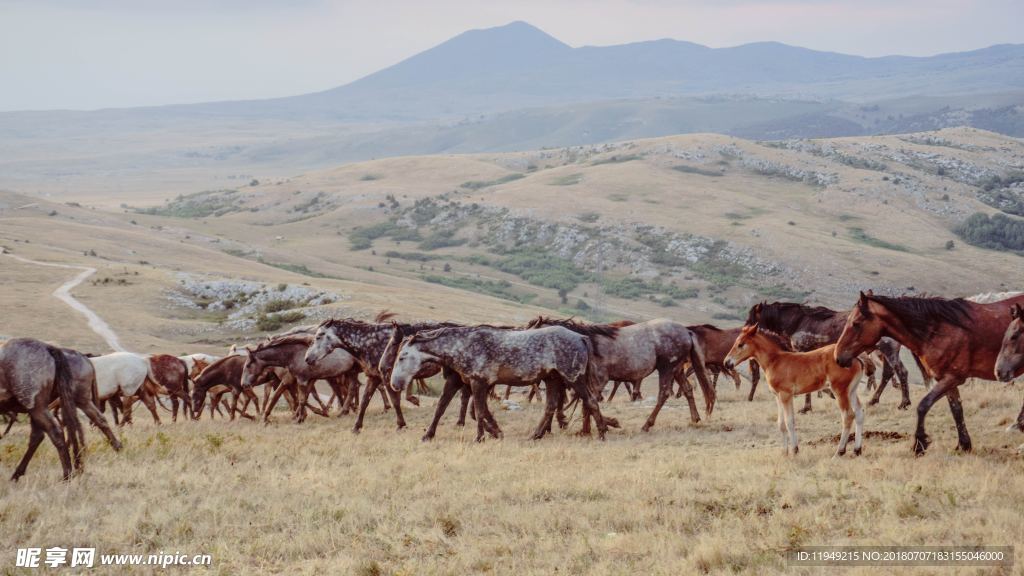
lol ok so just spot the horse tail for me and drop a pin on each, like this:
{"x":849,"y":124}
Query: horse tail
{"x":590,"y":372}
{"x":65,"y":391}
{"x":697,"y":361}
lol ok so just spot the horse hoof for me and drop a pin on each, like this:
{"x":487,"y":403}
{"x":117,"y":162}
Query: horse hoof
{"x":921,"y":445}
{"x":903,"y":405}
{"x":805,"y":410}
{"x":1015,"y":427}
{"x":356,"y":430}
{"x":116,"y":446}
{"x":873,"y":401}
{"x":840,"y":453}
{"x":612,"y":422}
{"x":646,"y":428}
{"x":426,"y":438}
{"x":964,"y":447}
{"x":858,"y":451}
{"x":413,"y":400}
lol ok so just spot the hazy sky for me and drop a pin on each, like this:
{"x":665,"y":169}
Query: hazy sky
{"x":87,"y":54}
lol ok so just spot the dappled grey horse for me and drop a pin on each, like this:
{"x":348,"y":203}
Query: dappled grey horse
{"x":32,"y":374}
{"x":631,"y":353}
{"x":486,"y":355}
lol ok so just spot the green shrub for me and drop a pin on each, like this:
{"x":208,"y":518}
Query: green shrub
{"x":998,"y":232}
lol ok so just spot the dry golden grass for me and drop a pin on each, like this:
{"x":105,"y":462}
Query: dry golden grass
{"x":719,"y":497}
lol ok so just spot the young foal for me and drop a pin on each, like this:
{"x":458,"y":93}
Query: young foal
{"x":791,"y":374}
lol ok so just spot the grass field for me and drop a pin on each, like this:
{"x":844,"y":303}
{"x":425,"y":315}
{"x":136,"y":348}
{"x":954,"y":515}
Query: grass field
{"x":718,"y":497}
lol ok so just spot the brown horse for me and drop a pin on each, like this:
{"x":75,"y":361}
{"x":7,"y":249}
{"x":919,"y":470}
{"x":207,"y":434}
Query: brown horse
{"x":168,"y":373}
{"x":716,"y":343}
{"x":1011,"y":355}
{"x":807,"y":328}
{"x":225,"y":373}
{"x":955,"y":340}
{"x":793,"y":373}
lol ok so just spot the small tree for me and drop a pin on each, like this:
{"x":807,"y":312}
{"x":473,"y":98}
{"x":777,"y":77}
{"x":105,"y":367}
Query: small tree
{"x":950,"y":245}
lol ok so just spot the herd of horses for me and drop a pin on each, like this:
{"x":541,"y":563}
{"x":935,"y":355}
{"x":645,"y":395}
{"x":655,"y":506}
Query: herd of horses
{"x":799,"y":349}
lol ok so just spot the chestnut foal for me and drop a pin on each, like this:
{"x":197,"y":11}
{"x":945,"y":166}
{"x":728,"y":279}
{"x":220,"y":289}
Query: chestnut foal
{"x":791,"y":374}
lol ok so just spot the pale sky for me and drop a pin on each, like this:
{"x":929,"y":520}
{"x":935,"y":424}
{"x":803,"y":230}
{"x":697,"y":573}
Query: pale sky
{"x":86,"y":54}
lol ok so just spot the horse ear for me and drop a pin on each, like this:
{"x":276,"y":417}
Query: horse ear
{"x":1016,"y":312}
{"x":871,"y":292}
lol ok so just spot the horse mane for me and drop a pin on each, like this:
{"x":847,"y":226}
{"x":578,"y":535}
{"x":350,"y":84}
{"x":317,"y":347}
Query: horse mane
{"x":920,"y":314}
{"x":621,"y":323}
{"x":711,"y":327}
{"x":284,"y":340}
{"x":778,"y":339}
{"x":784,"y":317}
{"x":384,"y":315}
{"x":584,"y":329}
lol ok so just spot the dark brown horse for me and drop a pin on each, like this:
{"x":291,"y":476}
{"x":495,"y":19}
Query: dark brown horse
{"x":225,"y":373}
{"x":716,"y":343}
{"x":954,"y":338}
{"x":810,"y":327}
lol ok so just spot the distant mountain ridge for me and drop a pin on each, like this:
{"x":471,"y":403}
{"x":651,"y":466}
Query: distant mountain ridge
{"x":517,"y":66}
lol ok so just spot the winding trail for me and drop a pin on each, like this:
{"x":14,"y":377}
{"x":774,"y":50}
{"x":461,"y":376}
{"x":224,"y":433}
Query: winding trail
{"x":63,"y":293}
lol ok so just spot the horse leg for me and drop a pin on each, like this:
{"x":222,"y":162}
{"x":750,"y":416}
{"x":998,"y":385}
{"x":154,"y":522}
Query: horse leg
{"x":902,"y":377}
{"x":887,"y":374}
{"x":794,"y":445}
{"x":755,"y":377}
{"x":34,"y":439}
{"x":845,"y":415}
{"x":807,"y":404}
{"x":963,"y":443}
{"x":664,"y":390}
{"x":682,"y":383}
{"x":250,"y":396}
{"x":271,"y":403}
{"x":735,"y":378}
{"x":781,"y":421}
{"x":687,"y":389}
{"x":467,"y":395}
{"x":93,"y":413}
{"x":409,"y":396}
{"x":592,"y":406}
{"x":147,"y":399}
{"x":615,"y":388}
{"x":858,"y":418}
{"x":1018,"y":425}
{"x":451,"y":386}
{"x":371,"y":387}
{"x":637,"y":394}
{"x":396,"y":401}
{"x":561,"y":394}
{"x":384,"y":398}
{"x":56,"y":433}
{"x":550,"y":407}
{"x":941,"y":388}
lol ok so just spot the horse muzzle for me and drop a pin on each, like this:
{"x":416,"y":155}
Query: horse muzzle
{"x":729,"y":363}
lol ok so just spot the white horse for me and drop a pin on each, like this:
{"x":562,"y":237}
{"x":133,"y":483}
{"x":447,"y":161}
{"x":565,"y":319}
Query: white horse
{"x":992,"y":297}
{"x":126,"y":374}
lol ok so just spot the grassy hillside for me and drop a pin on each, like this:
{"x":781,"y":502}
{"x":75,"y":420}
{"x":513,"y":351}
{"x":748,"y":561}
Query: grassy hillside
{"x":692,"y":227}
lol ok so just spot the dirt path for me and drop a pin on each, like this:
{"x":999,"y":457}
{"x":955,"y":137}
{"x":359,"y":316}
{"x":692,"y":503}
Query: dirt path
{"x":63,"y":293}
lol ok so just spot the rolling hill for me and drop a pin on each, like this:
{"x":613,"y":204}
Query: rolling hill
{"x":693,"y":227}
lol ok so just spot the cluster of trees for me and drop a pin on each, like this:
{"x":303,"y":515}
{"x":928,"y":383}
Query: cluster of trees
{"x":998,"y":232}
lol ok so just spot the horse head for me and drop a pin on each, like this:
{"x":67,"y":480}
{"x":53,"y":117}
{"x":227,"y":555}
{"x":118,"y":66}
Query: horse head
{"x":1011,"y":355}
